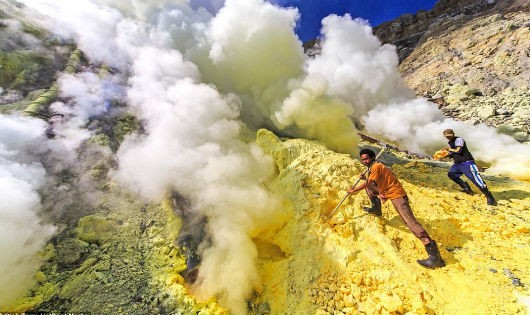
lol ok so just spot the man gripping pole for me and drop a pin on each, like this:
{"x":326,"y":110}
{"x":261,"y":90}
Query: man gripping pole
{"x":362,"y":176}
{"x":381,"y":184}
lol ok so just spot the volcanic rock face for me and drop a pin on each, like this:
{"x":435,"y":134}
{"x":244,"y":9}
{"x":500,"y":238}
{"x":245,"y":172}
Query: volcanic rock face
{"x":124,"y":257}
{"x":407,"y":30}
{"x":471,"y":57}
{"x":29,"y":58}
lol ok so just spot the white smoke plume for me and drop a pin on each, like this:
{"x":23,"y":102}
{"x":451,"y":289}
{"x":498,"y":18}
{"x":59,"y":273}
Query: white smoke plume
{"x":418,"y":124}
{"x":89,"y":96}
{"x":22,"y":234}
{"x":192,"y":142}
{"x":359,"y":70}
{"x":364,"y":74}
{"x":201,"y":73}
{"x":193,"y":146}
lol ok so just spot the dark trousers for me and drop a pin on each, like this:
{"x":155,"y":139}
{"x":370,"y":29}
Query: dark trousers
{"x":402,"y":206}
{"x":404,"y":210}
{"x":469,"y":169}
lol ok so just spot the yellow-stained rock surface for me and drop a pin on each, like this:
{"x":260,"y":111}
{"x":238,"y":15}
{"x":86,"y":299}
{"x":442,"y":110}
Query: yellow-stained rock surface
{"x":132,"y":265}
{"x":356,"y":263}
{"x":351,"y":263}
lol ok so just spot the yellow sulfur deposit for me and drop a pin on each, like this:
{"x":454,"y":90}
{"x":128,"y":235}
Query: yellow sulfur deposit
{"x":356,"y":263}
{"x":128,"y":260}
{"x":440,"y":154}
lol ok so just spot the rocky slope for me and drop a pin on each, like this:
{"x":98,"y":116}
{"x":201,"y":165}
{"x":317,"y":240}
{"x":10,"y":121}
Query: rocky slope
{"x":407,"y":30}
{"x":355,"y":263}
{"x":29,"y":58}
{"x":470,"y":57}
{"x":122,"y":256}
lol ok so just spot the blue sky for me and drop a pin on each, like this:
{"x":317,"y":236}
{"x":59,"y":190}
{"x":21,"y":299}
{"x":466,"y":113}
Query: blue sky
{"x":375,"y":11}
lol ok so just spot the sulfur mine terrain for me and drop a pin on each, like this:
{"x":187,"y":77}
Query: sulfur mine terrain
{"x":358,"y":263}
{"x":123,"y":257}
{"x":159,"y":159}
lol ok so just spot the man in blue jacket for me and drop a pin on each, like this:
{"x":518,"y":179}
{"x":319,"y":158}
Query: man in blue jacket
{"x":464,"y":163}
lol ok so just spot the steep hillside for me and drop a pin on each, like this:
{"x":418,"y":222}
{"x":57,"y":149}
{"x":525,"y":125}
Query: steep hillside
{"x":408,"y":29}
{"x":124,"y":256}
{"x":355,"y":263}
{"x":471,"y":58}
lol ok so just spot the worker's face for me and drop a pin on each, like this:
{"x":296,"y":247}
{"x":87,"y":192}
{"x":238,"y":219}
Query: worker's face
{"x":449,"y":137}
{"x":366,"y":159}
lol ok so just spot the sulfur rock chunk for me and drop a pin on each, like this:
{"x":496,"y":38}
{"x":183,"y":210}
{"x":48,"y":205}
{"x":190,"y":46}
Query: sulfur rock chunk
{"x":94,"y":229}
{"x":391,"y":303}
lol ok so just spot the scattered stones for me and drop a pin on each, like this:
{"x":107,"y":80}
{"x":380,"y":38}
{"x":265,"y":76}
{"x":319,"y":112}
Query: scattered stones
{"x":486,"y":112}
{"x":515,"y":281}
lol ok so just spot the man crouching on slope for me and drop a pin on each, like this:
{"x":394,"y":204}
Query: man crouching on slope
{"x":382,"y":183}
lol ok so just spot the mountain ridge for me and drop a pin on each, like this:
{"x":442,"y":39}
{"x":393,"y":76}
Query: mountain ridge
{"x":471,"y":58}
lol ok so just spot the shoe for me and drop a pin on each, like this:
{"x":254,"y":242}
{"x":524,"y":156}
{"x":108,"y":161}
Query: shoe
{"x":490,"y":200}
{"x":375,"y":209}
{"x":435,"y":260}
{"x":466,"y":188}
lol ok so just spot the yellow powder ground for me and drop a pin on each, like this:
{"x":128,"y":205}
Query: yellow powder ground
{"x":353,"y":263}
{"x":357,"y":263}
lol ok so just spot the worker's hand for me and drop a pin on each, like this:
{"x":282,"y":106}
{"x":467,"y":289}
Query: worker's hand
{"x":351,"y":191}
{"x":362,"y":176}
{"x":441,"y":154}
{"x":382,"y":197}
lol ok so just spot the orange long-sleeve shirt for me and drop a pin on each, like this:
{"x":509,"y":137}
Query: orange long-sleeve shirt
{"x":386,"y":181}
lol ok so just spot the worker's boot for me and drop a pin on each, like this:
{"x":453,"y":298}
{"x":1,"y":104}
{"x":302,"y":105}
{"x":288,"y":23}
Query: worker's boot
{"x":434,"y":260}
{"x":466,"y":188}
{"x":375,"y":208}
{"x":489,"y":197}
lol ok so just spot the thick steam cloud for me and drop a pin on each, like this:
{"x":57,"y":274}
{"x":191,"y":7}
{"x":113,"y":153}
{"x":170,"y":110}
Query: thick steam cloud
{"x":22,"y":234}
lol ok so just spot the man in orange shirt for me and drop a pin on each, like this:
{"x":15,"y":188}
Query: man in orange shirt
{"x":381,"y":185}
